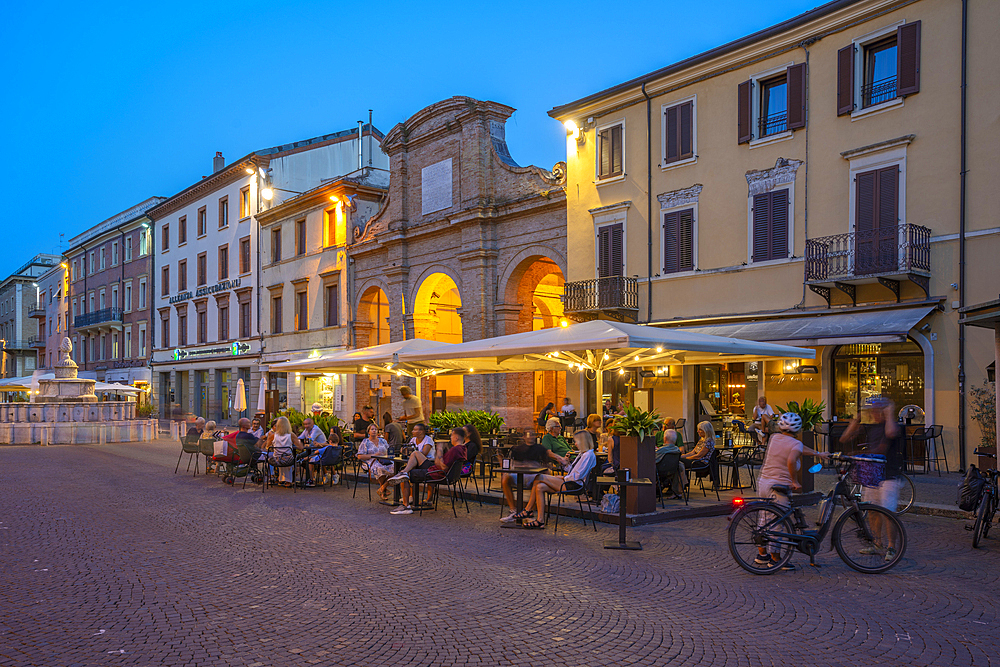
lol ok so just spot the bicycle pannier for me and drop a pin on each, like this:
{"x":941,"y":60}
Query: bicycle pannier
{"x":971,"y":489}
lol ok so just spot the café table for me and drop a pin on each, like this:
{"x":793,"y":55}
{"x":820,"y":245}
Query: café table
{"x":398,"y":463}
{"x":621,"y":542}
{"x":521,"y":471}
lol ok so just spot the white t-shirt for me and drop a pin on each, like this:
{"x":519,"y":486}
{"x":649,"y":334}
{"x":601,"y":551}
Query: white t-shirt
{"x":282,"y":443}
{"x":581,"y":467}
{"x":411,"y":406}
{"x":316,"y":435}
{"x":757,"y":412}
{"x":428,"y":440}
{"x":566,"y":409}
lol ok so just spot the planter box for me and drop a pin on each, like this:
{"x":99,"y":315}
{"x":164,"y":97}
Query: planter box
{"x":640,"y":458}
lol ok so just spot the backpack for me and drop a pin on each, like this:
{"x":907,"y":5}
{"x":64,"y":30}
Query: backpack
{"x":971,"y":489}
{"x":610,"y":503}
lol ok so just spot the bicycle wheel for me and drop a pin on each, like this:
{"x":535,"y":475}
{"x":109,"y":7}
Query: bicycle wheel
{"x":869,"y":538}
{"x":752,"y":528}
{"x":907,"y":493}
{"x":988,"y":519}
{"x":983,"y":516}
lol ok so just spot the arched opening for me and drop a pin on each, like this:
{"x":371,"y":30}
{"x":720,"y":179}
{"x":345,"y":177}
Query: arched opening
{"x":862,"y":371}
{"x":373,"y":318}
{"x":436,"y":317}
{"x":533,"y":295}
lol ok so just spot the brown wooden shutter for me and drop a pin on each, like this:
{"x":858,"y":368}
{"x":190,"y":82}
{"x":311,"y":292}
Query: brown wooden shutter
{"x":864,"y":217}
{"x":888,"y":197}
{"x":908,"y":59}
{"x":779,"y":225}
{"x":796,"y":78}
{"x":685,"y":130}
{"x":670,"y":242}
{"x":617,"y":251}
{"x":744,"y":122}
{"x":671,"y":129}
{"x":761,"y":227}
{"x":616,"y":150}
{"x":604,"y":153}
{"x":845,"y":80}
{"x":685,"y":236}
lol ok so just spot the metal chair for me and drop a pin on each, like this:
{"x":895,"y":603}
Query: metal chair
{"x":920,"y":435}
{"x":453,"y":479}
{"x":679,"y":427}
{"x":936,"y":436}
{"x":189,"y":445}
{"x":703,"y":470}
{"x":293,"y":464}
{"x":591,"y":481}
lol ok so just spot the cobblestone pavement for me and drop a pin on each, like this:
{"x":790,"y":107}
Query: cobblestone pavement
{"x":108,"y":558}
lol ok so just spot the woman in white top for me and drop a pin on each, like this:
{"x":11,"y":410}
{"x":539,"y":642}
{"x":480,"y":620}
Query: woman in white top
{"x":281,"y":444}
{"x":374,"y":445}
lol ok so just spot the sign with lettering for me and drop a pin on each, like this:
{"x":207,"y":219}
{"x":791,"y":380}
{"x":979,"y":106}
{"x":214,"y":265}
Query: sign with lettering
{"x":235,"y":350}
{"x":435,"y":187}
{"x":205,"y":290}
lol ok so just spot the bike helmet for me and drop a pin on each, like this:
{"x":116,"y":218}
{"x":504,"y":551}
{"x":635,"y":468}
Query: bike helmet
{"x":790,"y":422}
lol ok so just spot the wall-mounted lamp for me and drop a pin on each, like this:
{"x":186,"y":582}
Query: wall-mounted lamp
{"x":573,"y":131}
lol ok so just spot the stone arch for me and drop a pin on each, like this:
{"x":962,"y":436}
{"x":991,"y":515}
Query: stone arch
{"x":517,"y":264}
{"x":412,"y":299}
{"x":437,"y":307}
{"x":372,"y":314}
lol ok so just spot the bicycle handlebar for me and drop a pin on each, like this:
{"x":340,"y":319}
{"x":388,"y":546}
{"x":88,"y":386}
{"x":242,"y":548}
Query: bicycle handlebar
{"x":836,"y":456}
{"x":987,"y":454}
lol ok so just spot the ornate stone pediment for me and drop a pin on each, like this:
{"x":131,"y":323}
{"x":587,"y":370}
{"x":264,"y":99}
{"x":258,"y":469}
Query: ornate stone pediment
{"x":681,"y":197}
{"x":764,"y":180}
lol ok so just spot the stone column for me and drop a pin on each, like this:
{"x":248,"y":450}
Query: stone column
{"x":213,"y":400}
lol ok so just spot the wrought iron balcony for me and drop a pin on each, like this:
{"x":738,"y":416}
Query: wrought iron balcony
{"x":614,"y":296}
{"x":878,"y":92}
{"x":773,"y":124}
{"x":36,"y":341}
{"x":885,"y":255}
{"x":36,"y":310}
{"x":99,"y":318}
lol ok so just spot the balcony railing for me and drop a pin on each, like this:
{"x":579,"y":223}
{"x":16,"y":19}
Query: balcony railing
{"x":104,"y":316}
{"x":878,"y":92}
{"x":614,"y":295}
{"x":15,"y":344}
{"x":36,"y":310}
{"x":901,"y":249}
{"x":36,"y":341}
{"x":773,"y":124}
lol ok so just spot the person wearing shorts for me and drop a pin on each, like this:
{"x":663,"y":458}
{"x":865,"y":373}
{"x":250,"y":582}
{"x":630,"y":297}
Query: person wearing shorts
{"x":573,"y":481}
{"x":524,"y":453}
{"x":455,"y":453}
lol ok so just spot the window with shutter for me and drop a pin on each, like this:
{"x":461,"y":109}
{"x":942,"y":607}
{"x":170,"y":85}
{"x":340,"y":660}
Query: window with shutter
{"x":610,"y":251}
{"x":610,"y":158}
{"x":678,"y":132}
{"x":770,"y":225}
{"x":908,"y":54}
{"x":678,"y":241}
{"x":744,"y":121}
{"x":796,"y":76}
{"x":845,"y":80}
{"x":876,"y":220}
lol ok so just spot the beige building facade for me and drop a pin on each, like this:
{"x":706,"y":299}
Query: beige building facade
{"x":807,"y":184}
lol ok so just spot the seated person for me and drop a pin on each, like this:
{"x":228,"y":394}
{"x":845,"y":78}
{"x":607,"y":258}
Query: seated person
{"x":670,"y":424}
{"x":281,"y":444}
{"x":256,"y":429}
{"x":197,"y":428}
{"x":242,"y":436}
{"x":374,"y":445}
{"x":554,"y":443}
{"x":454,"y":453}
{"x":473,"y":447}
{"x":361,"y":425}
{"x":323,"y":457}
{"x":311,"y":433}
{"x":393,"y":433}
{"x":701,"y":454}
{"x":566,"y":408}
{"x":613,"y":447}
{"x":677,"y":476}
{"x":422,"y":456}
{"x":574,"y":480}
{"x":523,"y":454}
{"x":207,"y":443}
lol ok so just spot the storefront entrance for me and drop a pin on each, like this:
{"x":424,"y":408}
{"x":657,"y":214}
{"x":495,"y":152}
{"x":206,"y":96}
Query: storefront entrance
{"x":866,"y":370}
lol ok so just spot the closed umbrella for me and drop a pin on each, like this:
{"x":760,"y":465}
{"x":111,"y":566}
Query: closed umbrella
{"x":240,"y":400}
{"x":261,"y":392}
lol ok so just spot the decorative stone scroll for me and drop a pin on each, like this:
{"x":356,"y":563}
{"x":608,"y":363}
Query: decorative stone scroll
{"x":681,"y":197}
{"x":765,"y":180}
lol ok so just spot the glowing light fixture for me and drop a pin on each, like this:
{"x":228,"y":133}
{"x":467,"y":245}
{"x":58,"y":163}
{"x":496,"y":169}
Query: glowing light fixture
{"x":572,"y":129}
{"x":250,"y":171}
{"x":335,"y":199}
{"x":659,"y":349}
{"x":606,"y":356}
{"x":564,"y":323}
{"x":267,"y":193}
{"x":621,"y":371}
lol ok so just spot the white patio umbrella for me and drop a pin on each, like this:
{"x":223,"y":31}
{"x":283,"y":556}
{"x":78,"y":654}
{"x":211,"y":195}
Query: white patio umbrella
{"x":597,"y":346}
{"x":240,"y":399}
{"x":261,"y":391}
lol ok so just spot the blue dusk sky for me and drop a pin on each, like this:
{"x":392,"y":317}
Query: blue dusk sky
{"x":107,"y":104}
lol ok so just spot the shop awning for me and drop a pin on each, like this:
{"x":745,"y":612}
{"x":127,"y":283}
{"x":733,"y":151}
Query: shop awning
{"x":877,"y":326}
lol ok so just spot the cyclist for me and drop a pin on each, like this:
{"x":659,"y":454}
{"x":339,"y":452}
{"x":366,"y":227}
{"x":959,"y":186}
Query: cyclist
{"x":885,"y":438}
{"x":781,"y":468}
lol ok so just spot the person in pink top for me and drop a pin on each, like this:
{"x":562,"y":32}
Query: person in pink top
{"x":781,"y":468}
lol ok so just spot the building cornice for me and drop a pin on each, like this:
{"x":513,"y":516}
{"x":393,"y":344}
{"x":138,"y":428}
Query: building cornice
{"x":220,"y":179}
{"x":879,"y":146}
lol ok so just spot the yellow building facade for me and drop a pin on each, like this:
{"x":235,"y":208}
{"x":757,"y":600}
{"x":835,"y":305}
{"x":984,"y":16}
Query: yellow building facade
{"x":819,"y":183}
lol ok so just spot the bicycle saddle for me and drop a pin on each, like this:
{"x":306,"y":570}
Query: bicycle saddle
{"x":781,"y":488}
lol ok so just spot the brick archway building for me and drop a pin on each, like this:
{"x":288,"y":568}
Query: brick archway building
{"x":460,"y":206}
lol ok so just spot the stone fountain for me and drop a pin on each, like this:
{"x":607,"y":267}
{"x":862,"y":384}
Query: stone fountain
{"x":67,"y":412}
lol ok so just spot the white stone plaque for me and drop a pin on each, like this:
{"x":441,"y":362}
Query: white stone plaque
{"x":435,"y":187}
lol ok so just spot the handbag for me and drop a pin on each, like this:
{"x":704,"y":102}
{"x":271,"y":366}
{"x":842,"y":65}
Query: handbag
{"x":610,"y":503}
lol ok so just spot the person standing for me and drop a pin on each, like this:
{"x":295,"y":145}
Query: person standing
{"x":762,"y":416}
{"x":365,"y":419}
{"x":413,"y":412}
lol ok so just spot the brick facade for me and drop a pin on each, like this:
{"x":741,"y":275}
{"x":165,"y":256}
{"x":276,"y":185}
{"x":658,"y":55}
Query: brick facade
{"x":502,"y":230}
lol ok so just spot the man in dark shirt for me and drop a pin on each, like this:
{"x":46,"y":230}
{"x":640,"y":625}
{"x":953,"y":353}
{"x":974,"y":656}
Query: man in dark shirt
{"x":361,"y":425}
{"x":197,"y":428}
{"x":393,"y":433}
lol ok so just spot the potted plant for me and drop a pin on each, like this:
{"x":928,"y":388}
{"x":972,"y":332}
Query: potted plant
{"x":637,"y":452}
{"x":811,"y":414}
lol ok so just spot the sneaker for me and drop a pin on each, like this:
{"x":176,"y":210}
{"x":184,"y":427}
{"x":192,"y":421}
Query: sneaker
{"x":402,"y":509}
{"x":310,"y":484}
{"x":889,"y":555}
{"x":870,"y":551}
{"x":335,"y":480}
{"x":400,"y":477}
{"x":762,"y":560}
{"x":510,"y":518}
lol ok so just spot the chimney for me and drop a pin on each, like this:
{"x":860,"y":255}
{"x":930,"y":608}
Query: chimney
{"x":218,"y":162}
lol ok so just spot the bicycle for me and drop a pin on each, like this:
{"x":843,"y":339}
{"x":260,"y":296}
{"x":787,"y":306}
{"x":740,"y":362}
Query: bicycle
{"x":907,"y":493}
{"x":868,"y":538}
{"x":987,"y":506}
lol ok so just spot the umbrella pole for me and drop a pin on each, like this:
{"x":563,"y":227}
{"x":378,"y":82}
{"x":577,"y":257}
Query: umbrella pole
{"x":600,"y":391}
